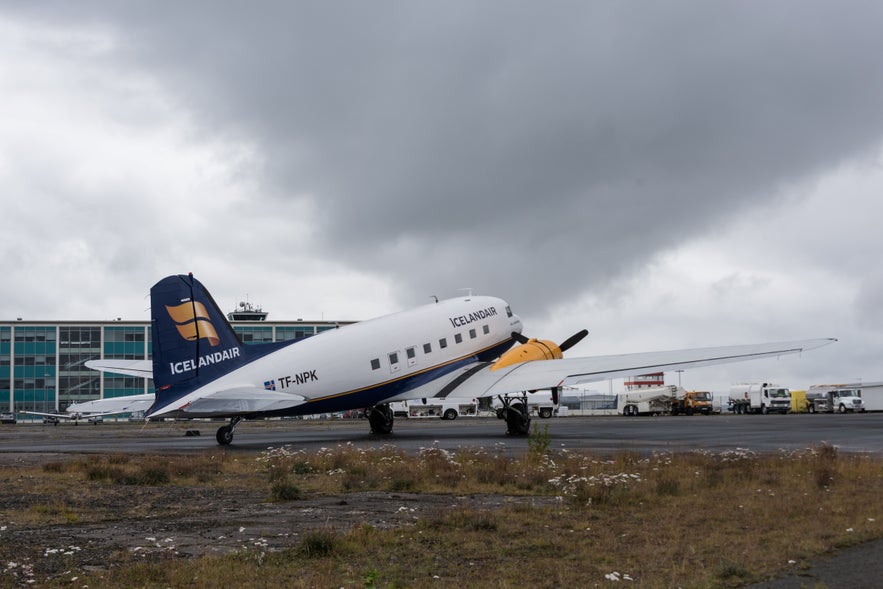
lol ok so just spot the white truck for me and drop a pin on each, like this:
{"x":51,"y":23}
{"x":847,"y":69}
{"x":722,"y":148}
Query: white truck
{"x":440,"y":408}
{"x":828,"y":398}
{"x":759,"y":397}
{"x":649,"y":401}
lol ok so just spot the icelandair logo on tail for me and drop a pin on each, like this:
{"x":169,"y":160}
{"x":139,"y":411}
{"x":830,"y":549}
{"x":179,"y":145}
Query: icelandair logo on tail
{"x":207,"y":360}
{"x":193,"y":323}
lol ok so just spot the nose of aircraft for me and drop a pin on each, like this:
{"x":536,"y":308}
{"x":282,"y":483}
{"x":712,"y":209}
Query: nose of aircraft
{"x":516,"y":323}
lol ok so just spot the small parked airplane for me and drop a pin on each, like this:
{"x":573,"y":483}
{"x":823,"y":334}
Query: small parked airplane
{"x":455,"y":348}
{"x":76,"y":417}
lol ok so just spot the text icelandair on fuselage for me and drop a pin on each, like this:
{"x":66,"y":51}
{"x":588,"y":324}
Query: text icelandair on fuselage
{"x":463,"y":320}
{"x":207,"y":360}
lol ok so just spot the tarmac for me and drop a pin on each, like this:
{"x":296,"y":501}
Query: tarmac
{"x":857,"y":567}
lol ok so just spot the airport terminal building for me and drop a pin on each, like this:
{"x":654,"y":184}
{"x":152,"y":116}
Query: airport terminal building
{"x":42,"y":363}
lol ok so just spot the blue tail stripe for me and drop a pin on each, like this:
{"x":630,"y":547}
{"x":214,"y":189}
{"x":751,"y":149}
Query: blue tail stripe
{"x":193,"y":343}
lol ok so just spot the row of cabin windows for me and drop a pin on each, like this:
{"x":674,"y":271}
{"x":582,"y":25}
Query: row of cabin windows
{"x":427,"y":347}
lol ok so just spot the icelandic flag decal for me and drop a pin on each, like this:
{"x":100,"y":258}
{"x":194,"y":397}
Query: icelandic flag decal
{"x":270,"y":385}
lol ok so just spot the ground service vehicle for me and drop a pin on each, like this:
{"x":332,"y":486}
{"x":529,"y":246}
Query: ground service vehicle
{"x":826,"y":398}
{"x":648,"y":401}
{"x":760,"y":397}
{"x":691,"y":402}
{"x":432,"y":408}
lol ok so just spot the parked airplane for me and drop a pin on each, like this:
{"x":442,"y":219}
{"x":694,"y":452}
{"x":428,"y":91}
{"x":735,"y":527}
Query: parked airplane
{"x":453,"y":348}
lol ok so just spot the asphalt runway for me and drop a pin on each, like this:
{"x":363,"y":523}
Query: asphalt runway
{"x":853,"y":433}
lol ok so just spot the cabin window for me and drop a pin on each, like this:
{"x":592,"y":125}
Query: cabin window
{"x":472,"y":334}
{"x":443,"y":343}
{"x":393,"y":362}
{"x":375,"y":364}
{"x":458,"y":338}
{"x":410,"y":353}
{"x":427,"y":349}
{"x":485,"y":329}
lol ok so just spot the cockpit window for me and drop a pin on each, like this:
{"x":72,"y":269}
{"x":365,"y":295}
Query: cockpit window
{"x":508,"y":311}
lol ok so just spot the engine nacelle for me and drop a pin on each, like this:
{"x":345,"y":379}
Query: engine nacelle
{"x":532,"y":349}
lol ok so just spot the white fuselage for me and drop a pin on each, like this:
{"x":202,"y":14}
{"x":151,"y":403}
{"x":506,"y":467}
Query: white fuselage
{"x":396,"y":357}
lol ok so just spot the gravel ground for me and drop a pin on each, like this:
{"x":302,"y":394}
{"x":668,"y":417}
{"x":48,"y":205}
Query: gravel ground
{"x":170,"y":521}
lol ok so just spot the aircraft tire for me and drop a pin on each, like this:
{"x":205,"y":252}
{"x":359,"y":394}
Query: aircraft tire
{"x":381,"y":419}
{"x":225,"y":435}
{"x":517,"y":421}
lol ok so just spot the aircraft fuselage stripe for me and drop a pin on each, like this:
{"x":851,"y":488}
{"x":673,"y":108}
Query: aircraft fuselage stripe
{"x":410,"y":375}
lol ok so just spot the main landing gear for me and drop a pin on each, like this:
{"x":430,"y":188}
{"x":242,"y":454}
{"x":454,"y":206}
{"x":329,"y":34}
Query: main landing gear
{"x":516,"y":413}
{"x":225,"y":432}
{"x":380,"y":417}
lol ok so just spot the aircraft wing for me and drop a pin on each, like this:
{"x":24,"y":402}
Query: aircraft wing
{"x":546,"y":374}
{"x":142,"y":368}
{"x":55,"y":415}
{"x":112,"y":405}
{"x":101,"y":407}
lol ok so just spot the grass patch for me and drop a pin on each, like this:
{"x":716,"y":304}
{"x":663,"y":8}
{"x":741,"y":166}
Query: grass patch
{"x":664,"y":520}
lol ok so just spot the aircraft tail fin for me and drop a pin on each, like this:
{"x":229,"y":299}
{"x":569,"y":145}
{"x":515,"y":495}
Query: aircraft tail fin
{"x":193,"y":343}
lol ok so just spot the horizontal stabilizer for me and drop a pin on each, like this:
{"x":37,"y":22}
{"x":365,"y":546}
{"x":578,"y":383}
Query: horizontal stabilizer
{"x":142,"y":368}
{"x":234,"y":401}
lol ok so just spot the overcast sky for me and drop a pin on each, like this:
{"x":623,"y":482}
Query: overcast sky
{"x":667,"y":175}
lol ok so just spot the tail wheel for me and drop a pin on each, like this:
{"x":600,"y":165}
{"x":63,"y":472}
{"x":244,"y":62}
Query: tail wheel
{"x":225,"y":435}
{"x":225,"y":432}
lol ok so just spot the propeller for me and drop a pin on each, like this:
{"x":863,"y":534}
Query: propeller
{"x":536,"y":349}
{"x":573,"y":340}
{"x":565,"y":345}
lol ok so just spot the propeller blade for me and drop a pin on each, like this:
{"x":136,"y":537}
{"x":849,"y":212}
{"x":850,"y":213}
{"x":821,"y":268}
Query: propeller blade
{"x":519,"y":338}
{"x":573,"y":340}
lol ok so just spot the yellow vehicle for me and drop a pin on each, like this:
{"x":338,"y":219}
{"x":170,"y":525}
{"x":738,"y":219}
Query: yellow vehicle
{"x":692,"y":402}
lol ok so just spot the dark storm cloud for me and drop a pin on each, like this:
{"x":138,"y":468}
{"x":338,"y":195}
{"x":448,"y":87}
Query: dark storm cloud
{"x":506,"y":146}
